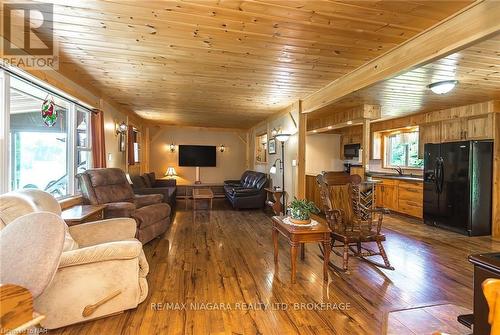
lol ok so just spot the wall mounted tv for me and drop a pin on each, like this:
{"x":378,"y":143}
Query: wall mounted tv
{"x":197,"y":155}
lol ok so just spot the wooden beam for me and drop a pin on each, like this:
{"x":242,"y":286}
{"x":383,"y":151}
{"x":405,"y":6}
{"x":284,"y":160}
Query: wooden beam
{"x":495,"y":206}
{"x":477,"y":22}
{"x":301,"y":159}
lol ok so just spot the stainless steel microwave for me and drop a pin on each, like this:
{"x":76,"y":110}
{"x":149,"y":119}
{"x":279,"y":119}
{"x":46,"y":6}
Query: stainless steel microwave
{"x":351,"y":150}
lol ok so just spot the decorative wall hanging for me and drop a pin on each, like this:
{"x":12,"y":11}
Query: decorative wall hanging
{"x":49,"y":112}
{"x":272,"y":146}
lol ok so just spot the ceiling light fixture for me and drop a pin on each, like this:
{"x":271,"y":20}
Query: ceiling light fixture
{"x":443,"y":87}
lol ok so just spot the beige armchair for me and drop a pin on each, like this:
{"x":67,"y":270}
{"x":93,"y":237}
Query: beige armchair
{"x":102,"y":269}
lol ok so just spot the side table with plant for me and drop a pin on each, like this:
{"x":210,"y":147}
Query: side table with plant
{"x":300,"y":211}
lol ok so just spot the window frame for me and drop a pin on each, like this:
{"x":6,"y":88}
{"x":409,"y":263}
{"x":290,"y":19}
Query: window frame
{"x":72,"y":146}
{"x":88,"y":148}
{"x":386,"y":138}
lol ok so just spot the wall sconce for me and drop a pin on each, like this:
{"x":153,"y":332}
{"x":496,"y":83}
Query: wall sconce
{"x":172,"y":147}
{"x":275,"y":132}
{"x":222,"y":148}
{"x":120,"y":128}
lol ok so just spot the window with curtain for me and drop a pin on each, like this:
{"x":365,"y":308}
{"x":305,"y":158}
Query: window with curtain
{"x":43,"y":156}
{"x":401,"y":149}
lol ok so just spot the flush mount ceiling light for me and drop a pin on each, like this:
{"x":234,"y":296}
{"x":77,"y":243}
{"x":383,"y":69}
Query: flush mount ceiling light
{"x":443,"y":87}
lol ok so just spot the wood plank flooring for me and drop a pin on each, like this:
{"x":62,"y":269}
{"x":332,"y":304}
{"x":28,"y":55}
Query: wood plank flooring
{"x":427,"y":320}
{"x":225,"y":258}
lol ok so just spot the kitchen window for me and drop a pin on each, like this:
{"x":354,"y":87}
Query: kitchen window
{"x":401,"y":149}
{"x":43,"y":154}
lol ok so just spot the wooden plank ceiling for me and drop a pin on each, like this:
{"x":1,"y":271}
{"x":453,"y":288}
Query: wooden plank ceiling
{"x":227,"y":63}
{"x":477,"y":69}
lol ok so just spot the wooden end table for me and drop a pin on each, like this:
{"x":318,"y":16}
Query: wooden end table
{"x":275,"y":203}
{"x":296,"y":236}
{"x":83,"y":213}
{"x":202,"y":193}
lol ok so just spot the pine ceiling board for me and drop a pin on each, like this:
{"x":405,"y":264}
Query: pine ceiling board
{"x":478,"y":75}
{"x":212,"y":62}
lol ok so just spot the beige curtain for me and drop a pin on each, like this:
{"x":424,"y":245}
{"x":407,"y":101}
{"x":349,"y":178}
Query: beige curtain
{"x":98,"y":145}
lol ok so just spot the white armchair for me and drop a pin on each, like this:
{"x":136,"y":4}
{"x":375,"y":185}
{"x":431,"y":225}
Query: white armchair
{"x":102,"y":269}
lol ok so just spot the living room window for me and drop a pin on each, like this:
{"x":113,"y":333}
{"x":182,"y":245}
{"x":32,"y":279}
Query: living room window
{"x":45,"y":152}
{"x":401,"y":149}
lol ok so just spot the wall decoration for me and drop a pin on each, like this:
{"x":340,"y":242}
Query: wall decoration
{"x":272,"y":146}
{"x":49,"y":112}
{"x":261,"y":148}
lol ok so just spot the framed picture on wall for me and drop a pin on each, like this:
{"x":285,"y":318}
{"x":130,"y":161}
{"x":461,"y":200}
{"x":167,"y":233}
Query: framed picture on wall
{"x":272,"y":146}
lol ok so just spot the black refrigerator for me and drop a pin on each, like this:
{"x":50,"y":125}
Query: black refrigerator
{"x":457,"y":186}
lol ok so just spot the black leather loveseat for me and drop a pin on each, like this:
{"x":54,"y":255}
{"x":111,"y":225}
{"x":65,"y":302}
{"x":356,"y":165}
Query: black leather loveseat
{"x":248,"y":191}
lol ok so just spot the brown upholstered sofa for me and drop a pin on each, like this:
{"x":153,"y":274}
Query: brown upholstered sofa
{"x":110,"y":187}
{"x":148,"y":184}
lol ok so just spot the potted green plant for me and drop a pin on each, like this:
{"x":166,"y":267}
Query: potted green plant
{"x":300,"y":211}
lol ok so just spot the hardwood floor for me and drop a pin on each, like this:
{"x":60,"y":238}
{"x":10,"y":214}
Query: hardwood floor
{"x":225,"y":258}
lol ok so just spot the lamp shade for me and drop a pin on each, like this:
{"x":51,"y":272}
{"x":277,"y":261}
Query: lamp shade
{"x":273,"y":169}
{"x":170,"y":172}
{"x":282,"y":137}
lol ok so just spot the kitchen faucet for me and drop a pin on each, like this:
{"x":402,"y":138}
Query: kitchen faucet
{"x":399,"y":170}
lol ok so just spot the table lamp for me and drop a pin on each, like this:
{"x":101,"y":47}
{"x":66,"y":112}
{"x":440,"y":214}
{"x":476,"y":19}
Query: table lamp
{"x":170,"y":173}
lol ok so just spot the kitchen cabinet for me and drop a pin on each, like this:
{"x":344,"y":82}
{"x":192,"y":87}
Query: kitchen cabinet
{"x":386,"y":194}
{"x":452,"y":130}
{"x":410,"y":198}
{"x":479,"y":127}
{"x":400,"y":196}
{"x":428,"y":133}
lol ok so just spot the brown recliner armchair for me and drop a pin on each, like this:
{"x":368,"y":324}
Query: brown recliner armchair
{"x":110,"y":187}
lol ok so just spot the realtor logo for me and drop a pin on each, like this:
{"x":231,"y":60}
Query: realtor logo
{"x":27,"y":35}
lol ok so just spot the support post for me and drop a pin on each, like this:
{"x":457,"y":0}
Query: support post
{"x":301,"y":159}
{"x":495,"y":206}
{"x":365,"y":159}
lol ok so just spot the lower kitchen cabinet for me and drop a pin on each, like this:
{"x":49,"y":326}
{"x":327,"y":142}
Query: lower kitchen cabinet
{"x":400,"y":196}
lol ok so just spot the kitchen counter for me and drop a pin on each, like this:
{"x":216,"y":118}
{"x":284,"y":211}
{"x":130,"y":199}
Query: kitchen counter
{"x":396,"y":176}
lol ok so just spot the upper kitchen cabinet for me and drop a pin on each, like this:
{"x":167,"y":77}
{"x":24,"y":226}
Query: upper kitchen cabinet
{"x":452,"y":130}
{"x":479,"y":127}
{"x":428,"y":133}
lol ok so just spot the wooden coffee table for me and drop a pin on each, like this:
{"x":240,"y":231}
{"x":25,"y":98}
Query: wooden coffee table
{"x":296,"y":236}
{"x":202,"y":193}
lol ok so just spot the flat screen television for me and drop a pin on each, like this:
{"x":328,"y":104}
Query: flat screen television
{"x":197,"y":155}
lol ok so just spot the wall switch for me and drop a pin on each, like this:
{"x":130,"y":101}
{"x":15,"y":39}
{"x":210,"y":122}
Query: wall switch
{"x":110,"y":157}
{"x":294,"y":162}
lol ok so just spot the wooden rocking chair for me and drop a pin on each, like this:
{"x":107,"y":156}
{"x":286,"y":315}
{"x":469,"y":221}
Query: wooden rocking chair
{"x":340,"y":197}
